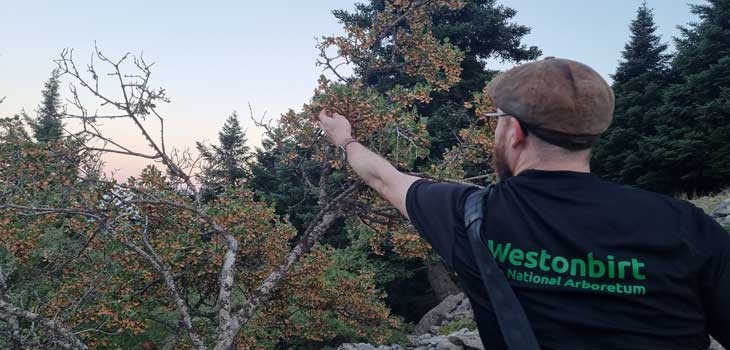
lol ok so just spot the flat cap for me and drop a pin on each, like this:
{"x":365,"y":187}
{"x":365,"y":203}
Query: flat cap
{"x":555,"y":94}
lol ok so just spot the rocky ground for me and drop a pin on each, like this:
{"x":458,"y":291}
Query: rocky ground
{"x":450,"y":325}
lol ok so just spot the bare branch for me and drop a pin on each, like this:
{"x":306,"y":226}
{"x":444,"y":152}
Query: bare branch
{"x":51,"y":210}
{"x":137,"y":101}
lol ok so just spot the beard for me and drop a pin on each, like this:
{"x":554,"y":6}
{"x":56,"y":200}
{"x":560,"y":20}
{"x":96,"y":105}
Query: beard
{"x":499,"y":162}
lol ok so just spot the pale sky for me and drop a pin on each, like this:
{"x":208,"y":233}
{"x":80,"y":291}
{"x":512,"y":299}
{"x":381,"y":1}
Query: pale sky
{"x":214,"y":57}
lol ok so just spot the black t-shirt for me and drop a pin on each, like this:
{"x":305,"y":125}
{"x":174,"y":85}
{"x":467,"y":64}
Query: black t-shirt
{"x":595,"y":265}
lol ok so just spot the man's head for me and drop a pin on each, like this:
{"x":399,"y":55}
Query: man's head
{"x":551,"y":114}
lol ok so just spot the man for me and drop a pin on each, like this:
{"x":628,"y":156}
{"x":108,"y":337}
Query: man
{"x":595,"y":265}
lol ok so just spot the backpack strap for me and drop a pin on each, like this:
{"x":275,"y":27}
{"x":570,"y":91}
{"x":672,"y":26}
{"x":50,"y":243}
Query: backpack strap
{"x":513,"y":322}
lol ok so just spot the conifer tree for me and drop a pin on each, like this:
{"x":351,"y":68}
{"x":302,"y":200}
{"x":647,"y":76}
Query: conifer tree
{"x":227,"y":163}
{"x":482,"y":30}
{"x":691,"y":151}
{"x":48,"y":124}
{"x":639,"y":81}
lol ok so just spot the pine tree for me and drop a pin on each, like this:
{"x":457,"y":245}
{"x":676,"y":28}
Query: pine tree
{"x":48,"y":124}
{"x":691,"y":150}
{"x":639,"y":81}
{"x":226,"y":164}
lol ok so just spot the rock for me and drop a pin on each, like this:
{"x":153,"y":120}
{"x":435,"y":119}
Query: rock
{"x":468,"y":340}
{"x":439,"y":314}
{"x":462,"y":310}
{"x":723,"y":210}
{"x":362,"y":346}
{"x":358,"y":346}
{"x":430,"y":342}
{"x":714,"y":345}
{"x":459,"y":340}
{"x":721,"y":214}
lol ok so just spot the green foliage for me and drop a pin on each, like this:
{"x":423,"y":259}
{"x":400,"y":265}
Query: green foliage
{"x":696,"y":127}
{"x":482,"y":30}
{"x":677,"y":143}
{"x":639,"y":82}
{"x":225,"y":164}
{"x":36,"y":250}
{"x":284,"y":174}
{"x":457,"y":324}
{"x":48,"y":124}
{"x":275,"y":181}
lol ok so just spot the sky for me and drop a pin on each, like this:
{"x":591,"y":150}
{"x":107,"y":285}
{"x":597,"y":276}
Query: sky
{"x":214,"y":57}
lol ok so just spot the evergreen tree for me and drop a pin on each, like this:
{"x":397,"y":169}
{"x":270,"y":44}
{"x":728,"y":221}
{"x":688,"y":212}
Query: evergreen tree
{"x":639,"y":81}
{"x":691,"y":150}
{"x":48,"y":124}
{"x":482,"y":30}
{"x":226,"y":164}
{"x":286,"y":189}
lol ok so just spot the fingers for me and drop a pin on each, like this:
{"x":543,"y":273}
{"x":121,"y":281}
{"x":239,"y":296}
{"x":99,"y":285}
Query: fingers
{"x":324,"y":113}
{"x":323,"y":118}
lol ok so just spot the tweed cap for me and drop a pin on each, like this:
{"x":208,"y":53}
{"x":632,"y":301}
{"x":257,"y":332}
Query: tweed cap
{"x":555,"y":94}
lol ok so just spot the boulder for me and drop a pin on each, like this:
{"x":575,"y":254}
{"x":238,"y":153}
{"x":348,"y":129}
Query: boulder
{"x":439,"y":314}
{"x":468,"y":340}
{"x":452,"y":308}
{"x":462,"y":310}
{"x":714,"y":345}
{"x":722,"y":210}
{"x":722,"y":213}
{"x":431,"y":342}
{"x":363,"y":346}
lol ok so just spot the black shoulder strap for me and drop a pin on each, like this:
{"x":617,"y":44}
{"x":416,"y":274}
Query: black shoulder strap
{"x":516,"y":329}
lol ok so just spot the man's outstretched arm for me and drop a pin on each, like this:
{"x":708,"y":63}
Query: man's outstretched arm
{"x":377,"y":173}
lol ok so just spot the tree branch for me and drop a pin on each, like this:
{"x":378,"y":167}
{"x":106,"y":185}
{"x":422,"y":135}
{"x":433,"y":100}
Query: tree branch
{"x":71,"y":341}
{"x":164,"y":270}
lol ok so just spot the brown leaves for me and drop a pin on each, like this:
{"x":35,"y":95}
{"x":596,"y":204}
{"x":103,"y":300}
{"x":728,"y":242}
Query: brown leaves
{"x":317,"y":295}
{"x":406,"y":25}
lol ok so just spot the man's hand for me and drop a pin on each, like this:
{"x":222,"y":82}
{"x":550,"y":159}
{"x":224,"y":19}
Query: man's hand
{"x":370,"y":167}
{"x":335,"y":126}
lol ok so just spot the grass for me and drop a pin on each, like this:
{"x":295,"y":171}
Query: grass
{"x":455,"y":325}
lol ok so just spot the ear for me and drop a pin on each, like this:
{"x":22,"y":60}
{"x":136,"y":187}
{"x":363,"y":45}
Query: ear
{"x":518,"y":136}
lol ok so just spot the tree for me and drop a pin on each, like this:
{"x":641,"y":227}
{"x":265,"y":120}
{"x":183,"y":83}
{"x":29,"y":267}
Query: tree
{"x":41,"y":174}
{"x":480,"y":29}
{"x":132,"y":252}
{"x":690,"y":152}
{"x":639,"y":82}
{"x":227,"y":164}
{"x":48,"y":124}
